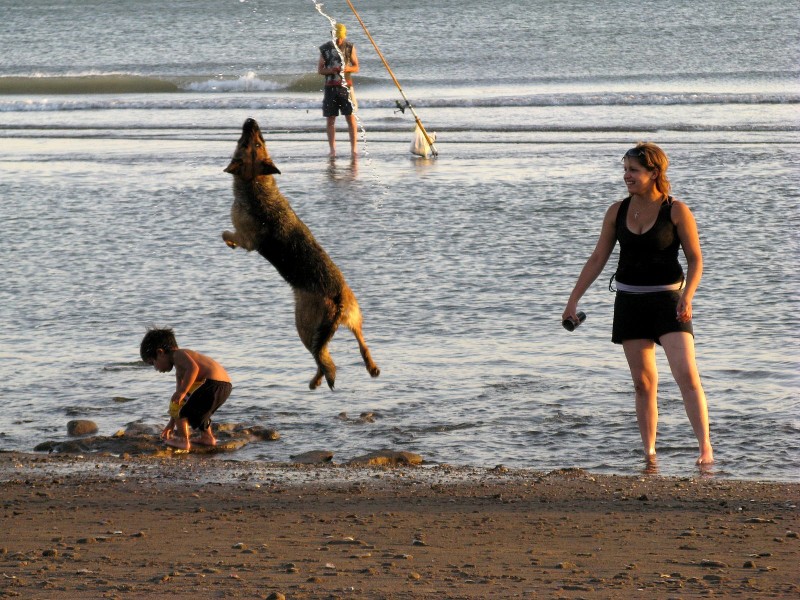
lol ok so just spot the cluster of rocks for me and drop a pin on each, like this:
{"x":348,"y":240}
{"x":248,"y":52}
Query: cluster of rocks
{"x":142,"y":439}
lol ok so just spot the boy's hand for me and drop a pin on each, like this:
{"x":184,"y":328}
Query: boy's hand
{"x":166,"y":433}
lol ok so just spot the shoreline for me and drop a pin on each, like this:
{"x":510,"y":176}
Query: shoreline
{"x":185,"y":526}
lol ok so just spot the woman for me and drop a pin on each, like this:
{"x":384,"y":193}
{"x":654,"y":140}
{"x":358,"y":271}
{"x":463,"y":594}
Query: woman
{"x":654,"y":302}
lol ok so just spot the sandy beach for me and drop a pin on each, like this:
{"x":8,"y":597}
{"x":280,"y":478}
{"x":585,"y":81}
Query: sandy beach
{"x":192,"y":526}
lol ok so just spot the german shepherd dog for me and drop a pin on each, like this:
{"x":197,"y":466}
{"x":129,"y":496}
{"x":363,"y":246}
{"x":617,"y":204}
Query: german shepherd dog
{"x":264,"y":221}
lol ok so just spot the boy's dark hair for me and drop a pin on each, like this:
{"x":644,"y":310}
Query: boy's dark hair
{"x":157,"y":338}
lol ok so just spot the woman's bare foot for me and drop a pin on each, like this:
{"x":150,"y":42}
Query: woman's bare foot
{"x":181,"y":443}
{"x":706,"y":456}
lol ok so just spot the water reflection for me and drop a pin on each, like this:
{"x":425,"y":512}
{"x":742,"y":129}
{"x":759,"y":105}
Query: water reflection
{"x":342,"y":171}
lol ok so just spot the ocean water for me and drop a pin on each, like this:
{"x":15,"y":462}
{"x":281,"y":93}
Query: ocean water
{"x":117,"y":118}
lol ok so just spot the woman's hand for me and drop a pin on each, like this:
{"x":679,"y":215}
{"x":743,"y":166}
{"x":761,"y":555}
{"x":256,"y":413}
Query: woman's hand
{"x":570,"y":312}
{"x":684,"y":310}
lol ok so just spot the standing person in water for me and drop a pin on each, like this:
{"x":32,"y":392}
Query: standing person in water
{"x":339,"y":95}
{"x":653,"y":302}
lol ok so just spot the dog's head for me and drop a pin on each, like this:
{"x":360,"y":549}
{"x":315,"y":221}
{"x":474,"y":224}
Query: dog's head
{"x":251,"y":159}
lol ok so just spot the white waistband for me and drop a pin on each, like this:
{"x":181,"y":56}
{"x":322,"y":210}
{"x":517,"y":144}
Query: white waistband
{"x":644,"y":289}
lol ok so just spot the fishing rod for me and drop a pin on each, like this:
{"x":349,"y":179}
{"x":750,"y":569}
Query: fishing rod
{"x":397,"y":83}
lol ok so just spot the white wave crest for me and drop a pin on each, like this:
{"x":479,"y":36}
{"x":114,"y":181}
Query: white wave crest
{"x":249,"y":82}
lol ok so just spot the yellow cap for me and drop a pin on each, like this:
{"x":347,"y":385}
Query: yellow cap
{"x":341,"y":31}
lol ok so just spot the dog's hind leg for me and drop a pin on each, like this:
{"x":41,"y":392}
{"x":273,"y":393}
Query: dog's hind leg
{"x":353,"y":320}
{"x":325,"y":366}
{"x":316,"y":321}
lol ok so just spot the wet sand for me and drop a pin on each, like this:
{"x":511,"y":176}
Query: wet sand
{"x":193,"y":526}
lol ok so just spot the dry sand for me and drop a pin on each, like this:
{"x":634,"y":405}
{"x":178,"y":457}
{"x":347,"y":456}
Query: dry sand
{"x":198,"y":527}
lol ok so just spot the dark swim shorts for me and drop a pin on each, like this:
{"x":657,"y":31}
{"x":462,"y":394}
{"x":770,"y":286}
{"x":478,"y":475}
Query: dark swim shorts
{"x":204,"y":402}
{"x":336,"y":101}
{"x":646,"y":316}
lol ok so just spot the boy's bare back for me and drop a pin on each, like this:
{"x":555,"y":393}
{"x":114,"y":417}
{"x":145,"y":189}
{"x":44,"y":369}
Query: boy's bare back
{"x":185,"y":361}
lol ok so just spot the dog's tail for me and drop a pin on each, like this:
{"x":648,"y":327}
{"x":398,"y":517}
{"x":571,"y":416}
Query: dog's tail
{"x":319,"y":343}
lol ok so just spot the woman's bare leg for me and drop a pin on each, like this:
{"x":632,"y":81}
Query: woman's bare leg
{"x":679,"y":348}
{"x":642,"y":363}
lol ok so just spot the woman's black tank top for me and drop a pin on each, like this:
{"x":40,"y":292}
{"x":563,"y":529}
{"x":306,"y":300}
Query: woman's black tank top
{"x":650,"y":258}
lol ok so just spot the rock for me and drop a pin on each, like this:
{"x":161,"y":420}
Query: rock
{"x":140,"y":439}
{"x":364,"y":417}
{"x":313,"y":457}
{"x":713,"y":564}
{"x":276,"y":596}
{"x":79,"y":427}
{"x":137,"y":428}
{"x":367,"y":417}
{"x":263,"y":433}
{"x":387,"y":458}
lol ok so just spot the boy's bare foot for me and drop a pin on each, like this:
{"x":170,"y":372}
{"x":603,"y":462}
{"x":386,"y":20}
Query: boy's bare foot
{"x":181,"y":443}
{"x":205,"y":439}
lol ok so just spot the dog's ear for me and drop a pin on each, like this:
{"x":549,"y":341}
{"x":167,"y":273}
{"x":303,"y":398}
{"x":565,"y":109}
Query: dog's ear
{"x":267,"y":167}
{"x":234,"y":166}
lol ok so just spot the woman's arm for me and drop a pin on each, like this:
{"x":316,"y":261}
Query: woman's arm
{"x":684,"y":220}
{"x":597,"y":261}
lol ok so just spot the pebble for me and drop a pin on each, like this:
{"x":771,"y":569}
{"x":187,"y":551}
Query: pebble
{"x":713,"y":564}
{"x":81,"y":427}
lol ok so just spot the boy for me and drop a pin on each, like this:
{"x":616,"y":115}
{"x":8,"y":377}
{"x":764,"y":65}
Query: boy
{"x":203,"y":385}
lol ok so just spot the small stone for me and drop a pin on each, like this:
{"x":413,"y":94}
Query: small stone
{"x":713,"y":564}
{"x":749,"y":565}
{"x":50,"y":552}
{"x":276,"y":596}
{"x":791,"y":534}
{"x":414,"y":575}
{"x":81,"y":427}
{"x":313,"y":457}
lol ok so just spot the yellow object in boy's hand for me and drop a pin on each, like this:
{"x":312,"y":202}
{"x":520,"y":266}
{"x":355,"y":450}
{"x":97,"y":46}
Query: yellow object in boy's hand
{"x":174,"y":410}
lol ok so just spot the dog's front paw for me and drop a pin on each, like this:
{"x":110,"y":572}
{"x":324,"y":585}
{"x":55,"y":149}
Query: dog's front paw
{"x":230,"y":239}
